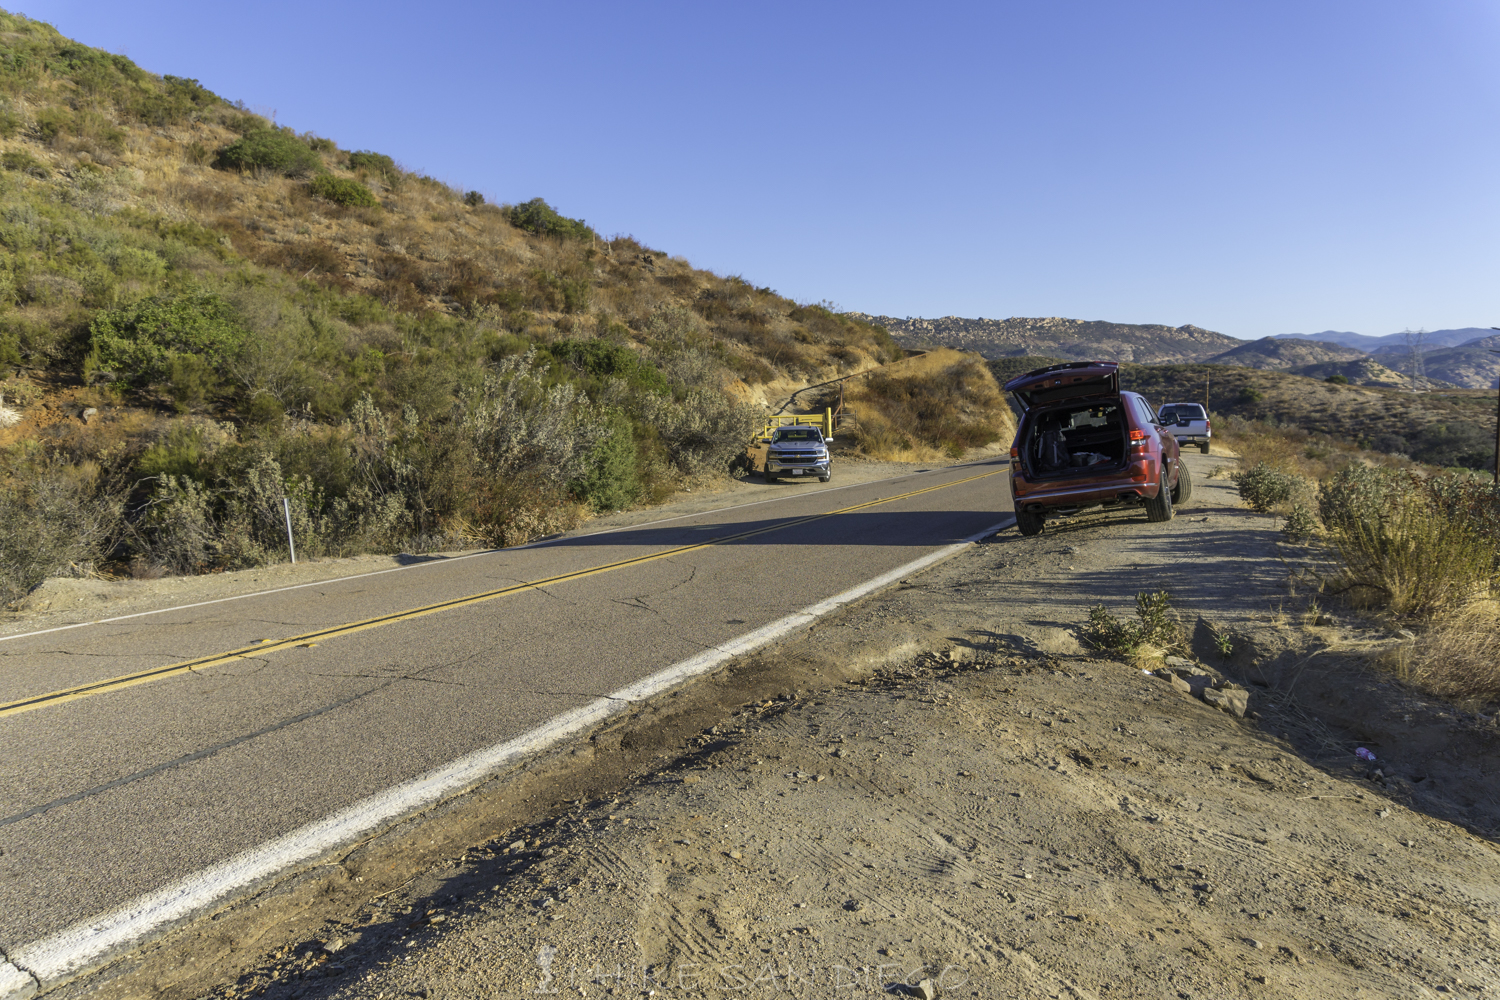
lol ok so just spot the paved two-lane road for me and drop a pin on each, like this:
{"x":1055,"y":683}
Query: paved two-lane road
{"x":113,"y":790}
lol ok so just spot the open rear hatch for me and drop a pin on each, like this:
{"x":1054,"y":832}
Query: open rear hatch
{"x":1074,"y":380}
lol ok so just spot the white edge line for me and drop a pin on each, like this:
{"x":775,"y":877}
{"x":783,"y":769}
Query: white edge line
{"x":449,"y":560}
{"x":14,"y":983}
{"x":89,"y":942}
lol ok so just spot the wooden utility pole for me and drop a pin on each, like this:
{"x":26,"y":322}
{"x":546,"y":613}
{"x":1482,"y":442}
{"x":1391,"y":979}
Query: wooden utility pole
{"x":1497,"y":423}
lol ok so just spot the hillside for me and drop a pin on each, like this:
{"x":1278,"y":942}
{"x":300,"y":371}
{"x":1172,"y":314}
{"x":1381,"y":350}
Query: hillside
{"x":1362,"y":371}
{"x":1269,"y":352}
{"x":202,"y":313}
{"x":1070,"y":339}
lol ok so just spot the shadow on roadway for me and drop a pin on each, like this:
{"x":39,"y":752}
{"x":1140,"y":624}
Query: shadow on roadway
{"x":918,"y":527}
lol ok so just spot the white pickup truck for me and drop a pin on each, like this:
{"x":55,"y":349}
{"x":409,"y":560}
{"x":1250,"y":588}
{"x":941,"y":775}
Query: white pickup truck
{"x":1188,"y":423}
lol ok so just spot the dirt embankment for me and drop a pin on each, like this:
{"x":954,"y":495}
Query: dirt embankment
{"x":942,"y":785}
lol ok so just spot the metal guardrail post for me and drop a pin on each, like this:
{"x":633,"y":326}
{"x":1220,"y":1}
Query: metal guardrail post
{"x":286,"y":508}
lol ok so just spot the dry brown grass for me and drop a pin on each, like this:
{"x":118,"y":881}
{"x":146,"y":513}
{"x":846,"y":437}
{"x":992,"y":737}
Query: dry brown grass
{"x":935,"y":406}
{"x":1457,"y":659}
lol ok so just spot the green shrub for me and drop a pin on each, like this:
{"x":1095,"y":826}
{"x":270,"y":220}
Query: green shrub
{"x":190,"y":381}
{"x":53,"y":122}
{"x":473,"y":199}
{"x":562,"y":293}
{"x":10,"y":124}
{"x":343,"y":191}
{"x":375,"y":163}
{"x":19,"y":159}
{"x":541,"y":219}
{"x":604,"y":359}
{"x":1470,"y":501}
{"x":1264,"y":487}
{"x":1155,"y":626}
{"x":1251,"y":395}
{"x":143,"y":341}
{"x":272,"y":149}
{"x":1299,"y":526}
{"x":185,"y":451}
{"x":177,"y":100}
{"x":610,"y":479}
{"x":1358,"y":494}
{"x":1337,"y":379}
{"x":1453,"y":443}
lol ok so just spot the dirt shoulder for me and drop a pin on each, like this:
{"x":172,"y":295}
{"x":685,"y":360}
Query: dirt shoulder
{"x":941,"y":784}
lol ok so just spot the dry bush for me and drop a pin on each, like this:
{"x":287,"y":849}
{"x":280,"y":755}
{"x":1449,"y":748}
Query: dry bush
{"x":1458,"y":659}
{"x":54,"y":521}
{"x":940,"y":404}
{"x":1413,"y":561}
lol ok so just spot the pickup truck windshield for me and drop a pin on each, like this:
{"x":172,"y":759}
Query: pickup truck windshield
{"x":798,"y":434}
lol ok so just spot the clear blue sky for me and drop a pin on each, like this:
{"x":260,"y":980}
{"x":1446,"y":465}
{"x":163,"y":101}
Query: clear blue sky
{"x":1251,"y":167}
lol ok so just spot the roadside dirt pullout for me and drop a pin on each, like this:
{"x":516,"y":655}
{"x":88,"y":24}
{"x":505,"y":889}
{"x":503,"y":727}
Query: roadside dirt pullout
{"x":939,"y":784}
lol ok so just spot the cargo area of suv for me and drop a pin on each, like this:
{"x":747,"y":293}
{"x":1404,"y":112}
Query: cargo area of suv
{"x":1082,"y":440}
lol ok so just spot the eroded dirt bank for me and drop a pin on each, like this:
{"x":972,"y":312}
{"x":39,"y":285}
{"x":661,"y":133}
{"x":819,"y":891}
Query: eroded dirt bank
{"x":942,"y":784}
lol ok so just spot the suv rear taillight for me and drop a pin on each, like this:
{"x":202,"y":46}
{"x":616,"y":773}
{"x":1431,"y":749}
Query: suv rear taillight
{"x":1015,"y":453}
{"x":1137,"y":435}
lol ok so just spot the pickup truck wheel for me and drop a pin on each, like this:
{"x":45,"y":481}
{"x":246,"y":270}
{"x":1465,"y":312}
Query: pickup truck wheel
{"x":770,"y":476}
{"x":824,"y":479}
{"x":1028,"y":523}
{"x":1160,"y":509}
{"x":1203,"y":447}
{"x":1184,"y":491}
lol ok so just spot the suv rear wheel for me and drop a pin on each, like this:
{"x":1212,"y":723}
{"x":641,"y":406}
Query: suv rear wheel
{"x":1028,"y":523}
{"x":1184,"y":491}
{"x":1160,"y":509}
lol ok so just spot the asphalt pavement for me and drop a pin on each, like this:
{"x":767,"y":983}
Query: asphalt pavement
{"x":277,"y":710}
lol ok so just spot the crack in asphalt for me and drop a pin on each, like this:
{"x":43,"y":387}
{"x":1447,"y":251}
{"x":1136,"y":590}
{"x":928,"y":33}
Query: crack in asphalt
{"x":185,"y":759}
{"x":390,"y":677}
{"x":639,"y":601}
{"x":69,"y":652}
{"x":219,"y":673}
{"x":548,"y":593}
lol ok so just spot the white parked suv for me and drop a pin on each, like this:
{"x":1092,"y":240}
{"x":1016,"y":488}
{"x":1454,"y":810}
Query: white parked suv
{"x":1188,"y":423}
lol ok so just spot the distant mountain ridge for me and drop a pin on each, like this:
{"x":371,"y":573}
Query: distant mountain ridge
{"x":1054,"y":336}
{"x":1371,"y":345}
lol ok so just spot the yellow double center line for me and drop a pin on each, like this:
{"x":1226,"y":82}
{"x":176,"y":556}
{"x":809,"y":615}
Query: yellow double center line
{"x":276,"y":645}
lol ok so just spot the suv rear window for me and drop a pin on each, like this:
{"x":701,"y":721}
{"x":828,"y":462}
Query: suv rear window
{"x":1179,"y":411}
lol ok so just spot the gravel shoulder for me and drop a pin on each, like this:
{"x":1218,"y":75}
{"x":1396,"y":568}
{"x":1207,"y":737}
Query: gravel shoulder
{"x":940,"y":783}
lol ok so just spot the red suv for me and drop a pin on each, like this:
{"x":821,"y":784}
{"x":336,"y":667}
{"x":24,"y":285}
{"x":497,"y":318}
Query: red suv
{"x":1083,"y":443}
